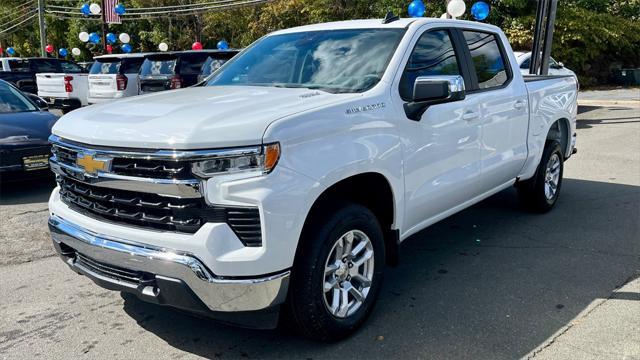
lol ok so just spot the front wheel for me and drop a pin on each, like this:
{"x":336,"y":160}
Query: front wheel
{"x":337,"y":274}
{"x":540,"y":193}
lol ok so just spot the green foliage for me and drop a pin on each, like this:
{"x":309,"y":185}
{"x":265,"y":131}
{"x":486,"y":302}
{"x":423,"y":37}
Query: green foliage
{"x":591,"y":36}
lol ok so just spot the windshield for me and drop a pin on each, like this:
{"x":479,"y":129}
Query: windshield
{"x":11,"y":100}
{"x":153,"y":66}
{"x":337,"y":61}
{"x":105,"y":66}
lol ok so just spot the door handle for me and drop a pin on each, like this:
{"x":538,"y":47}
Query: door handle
{"x":519,"y":104}
{"x":470,"y":115}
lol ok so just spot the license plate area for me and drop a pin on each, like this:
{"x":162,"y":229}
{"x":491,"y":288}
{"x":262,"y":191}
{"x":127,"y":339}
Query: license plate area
{"x":35,"y":162}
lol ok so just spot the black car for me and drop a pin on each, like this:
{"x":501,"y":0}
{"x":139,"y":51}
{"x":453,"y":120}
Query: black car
{"x":22,"y":72}
{"x":24,"y":132}
{"x":175,"y":70}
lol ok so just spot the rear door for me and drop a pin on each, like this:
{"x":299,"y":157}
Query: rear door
{"x":102,"y":79}
{"x":503,"y":104}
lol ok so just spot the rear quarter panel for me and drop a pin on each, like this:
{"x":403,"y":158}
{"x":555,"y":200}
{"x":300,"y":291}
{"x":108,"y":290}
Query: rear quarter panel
{"x":549,"y":101}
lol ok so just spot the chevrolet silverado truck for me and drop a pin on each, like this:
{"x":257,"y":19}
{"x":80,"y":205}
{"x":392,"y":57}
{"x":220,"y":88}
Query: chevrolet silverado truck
{"x":285,"y":184}
{"x":67,"y":90}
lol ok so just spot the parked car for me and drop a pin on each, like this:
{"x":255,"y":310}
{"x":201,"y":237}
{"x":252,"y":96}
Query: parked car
{"x":214,"y":61}
{"x":173,"y":70}
{"x":290,"y":179}
{"x":114,"y":77}
{"x":555,"y":68}
{"x":67,"y":90}
{"x":24,"y":133}
{"x":86,"y":64}
{"x":22,"y":72}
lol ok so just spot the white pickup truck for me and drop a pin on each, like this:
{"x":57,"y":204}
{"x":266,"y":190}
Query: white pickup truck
{"x":288,"y":181}
{"x":67,"y":90}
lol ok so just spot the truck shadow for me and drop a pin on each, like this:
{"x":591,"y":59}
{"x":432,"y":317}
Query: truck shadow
{"x":26,"y":191}
{"x":492,"y":282}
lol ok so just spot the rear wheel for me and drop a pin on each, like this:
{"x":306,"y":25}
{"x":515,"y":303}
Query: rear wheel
{"x":337,"y":274}
{"x":540,"y":193}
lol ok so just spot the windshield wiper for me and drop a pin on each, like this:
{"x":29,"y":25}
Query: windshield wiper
{"x":302,"y":86}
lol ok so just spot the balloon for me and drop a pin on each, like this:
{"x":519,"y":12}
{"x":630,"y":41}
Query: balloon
{"x":49,"y":48}
{"x":119,"y":9}
{"x":163,"y":46}
{"x":11,"y":51}
{"x":480,"y":10}
{"x":95,"y":9}
{"x":76,"y":51}
{"x":109,"y":49}
{"x":84,"y":36}
{"x":456,"y":8}
{"x":111,"y":38}
{"x":124,"y":38}
{"x":416,"y":8}
{"x":0,"y":50}
{"x":196,"y":46}
{"x":85,"y":9}
{"x":126,"y":48}
{"x":63,"y":52}
{"x":223,"y":45}
{"x":94,"y":38}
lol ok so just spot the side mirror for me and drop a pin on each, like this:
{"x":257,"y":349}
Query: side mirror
{"x":40,"y":102}
{"x":432,"y":90}
{"x":560,"y":65}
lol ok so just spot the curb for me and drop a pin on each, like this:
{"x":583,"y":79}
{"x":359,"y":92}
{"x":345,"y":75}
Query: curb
{"x":634,"y":103}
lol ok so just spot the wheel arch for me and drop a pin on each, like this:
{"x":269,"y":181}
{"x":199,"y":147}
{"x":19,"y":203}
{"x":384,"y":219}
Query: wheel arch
{"x":372,"y":190}
{"x":560,"y":131}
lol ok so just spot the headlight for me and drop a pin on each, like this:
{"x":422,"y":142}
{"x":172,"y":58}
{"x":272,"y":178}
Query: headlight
{"x":259,"y":160}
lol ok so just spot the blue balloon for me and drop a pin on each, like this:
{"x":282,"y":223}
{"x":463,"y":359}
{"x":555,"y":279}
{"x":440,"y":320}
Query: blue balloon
{"x":111,"y":38}
{"x":120,"y":9}
{"x":126,"y":48}
{"x":223,"y":45}
{"x":416,"y":8}
{"x":11,"y":51}
{"x":94,"y":38}
{"x":63,"y":52}
{"x":84,"y":9}
{"x":480,"y":10}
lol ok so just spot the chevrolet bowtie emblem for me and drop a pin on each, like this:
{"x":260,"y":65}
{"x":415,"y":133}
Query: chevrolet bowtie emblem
{"x":92,"y":165}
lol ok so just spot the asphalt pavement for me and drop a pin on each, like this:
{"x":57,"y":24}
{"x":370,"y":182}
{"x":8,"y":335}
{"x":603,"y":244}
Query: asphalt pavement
{"x":492,"y":282}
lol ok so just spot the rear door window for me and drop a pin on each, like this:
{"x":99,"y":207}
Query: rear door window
{"x":104,"y":66}
{"x":19,"y":65}
{"x":45,"y":65}
{"x":158,"y":66}
{"x":71,"y":68}
{"x":488,"y":60}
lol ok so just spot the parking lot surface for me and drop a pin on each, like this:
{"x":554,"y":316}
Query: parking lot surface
{"x":492,"y":282}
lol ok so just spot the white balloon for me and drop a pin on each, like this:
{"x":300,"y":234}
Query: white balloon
{"x":456,"y":8}
{"x":163,"y":46}
{"x":95,"y":9}
{"x":75,"y":51}
{"x":444,"y":16}
{"x":84,"y":36}
{"x":124,"y":38}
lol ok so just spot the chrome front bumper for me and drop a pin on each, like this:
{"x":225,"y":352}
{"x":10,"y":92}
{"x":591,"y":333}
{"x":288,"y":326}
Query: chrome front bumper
{"x":171,"y":276}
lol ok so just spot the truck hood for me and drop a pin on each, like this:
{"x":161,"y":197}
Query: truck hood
{"x":192,"y":118}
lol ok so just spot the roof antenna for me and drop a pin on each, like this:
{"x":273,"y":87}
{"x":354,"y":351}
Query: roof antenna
{"x":390,"y":18}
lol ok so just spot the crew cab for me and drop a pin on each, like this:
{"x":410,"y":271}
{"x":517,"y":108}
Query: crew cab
{"x":114,"y":76}
{"x":177,"y":69}
{"x":21,"y":72}
{"x":288,"y":180}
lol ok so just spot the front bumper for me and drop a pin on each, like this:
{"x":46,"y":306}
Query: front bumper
{"x":160,"y":275}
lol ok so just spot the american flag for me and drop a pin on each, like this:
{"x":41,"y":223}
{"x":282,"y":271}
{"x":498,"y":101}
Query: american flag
{"x":110,"y":16}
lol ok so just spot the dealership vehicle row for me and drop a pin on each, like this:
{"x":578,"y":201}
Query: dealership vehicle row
{"x":68,"y":86}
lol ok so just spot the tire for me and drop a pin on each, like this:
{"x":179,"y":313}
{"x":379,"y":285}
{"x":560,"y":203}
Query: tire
{"x":309,"y":307}
{"x":538,"y":193}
